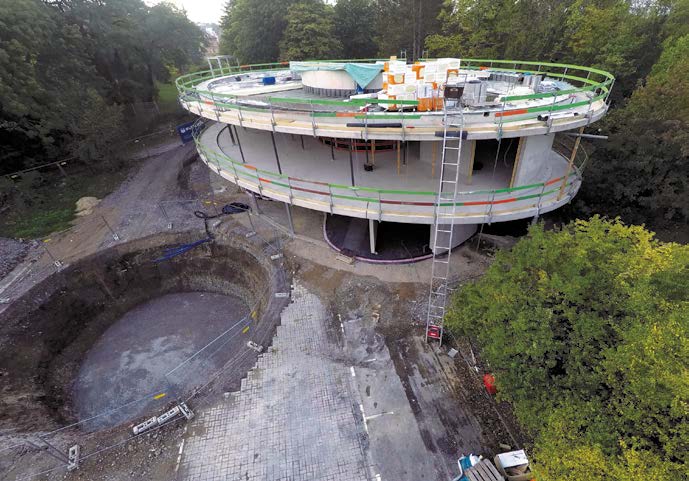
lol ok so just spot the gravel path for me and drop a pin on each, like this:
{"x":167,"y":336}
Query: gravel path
{"x":12,"y":252}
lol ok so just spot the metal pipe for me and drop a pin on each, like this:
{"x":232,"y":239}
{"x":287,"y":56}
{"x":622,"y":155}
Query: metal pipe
{"x":239,"y":144}
{"x":275,"y":149}
{"x":288,"y":208}
{"x":351,"y":165}
{"x":588,"y":136}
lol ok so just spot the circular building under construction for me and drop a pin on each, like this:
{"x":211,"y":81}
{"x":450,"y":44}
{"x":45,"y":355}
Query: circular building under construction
{"x":438,"y":146}
{"x":422,"y":153}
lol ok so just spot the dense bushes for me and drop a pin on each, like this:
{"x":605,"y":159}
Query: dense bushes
{"x":586,"y":331}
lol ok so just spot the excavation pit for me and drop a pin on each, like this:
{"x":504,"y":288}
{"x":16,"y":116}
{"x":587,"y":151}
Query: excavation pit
{"x":117,"y":333}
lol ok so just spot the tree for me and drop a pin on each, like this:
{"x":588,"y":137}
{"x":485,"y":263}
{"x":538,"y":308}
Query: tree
{"x":642,"y":172}
{"x":405,"y":24}
{"x":43,"y":65}
{"x":55,"y":55}
{"x":585,"y":331}
{"x":252,"y":29}
{"x":310,"y":33}
{"x":96,"y":131}
{"x":355,"y":28}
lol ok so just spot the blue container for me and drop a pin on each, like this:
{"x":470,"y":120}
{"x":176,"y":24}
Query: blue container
{"x":268,"y":80}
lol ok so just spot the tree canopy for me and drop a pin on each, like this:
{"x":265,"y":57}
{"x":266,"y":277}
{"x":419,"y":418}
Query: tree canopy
{"x":585,"y":330}
{"x":310,"y":32}
{"x":355,"y":28}
{"x":62,"y":62}
{"x":641,"y":173}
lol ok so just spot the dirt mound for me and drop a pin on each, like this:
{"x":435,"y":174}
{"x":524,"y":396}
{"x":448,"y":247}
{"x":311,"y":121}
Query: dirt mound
{"x":85,"y":205}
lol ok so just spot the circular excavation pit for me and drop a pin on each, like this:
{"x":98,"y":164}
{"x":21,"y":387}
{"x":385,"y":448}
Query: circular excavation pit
{"x":116,"y":337}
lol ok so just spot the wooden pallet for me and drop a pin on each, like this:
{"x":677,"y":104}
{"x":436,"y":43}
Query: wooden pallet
{"x":484,"y":471}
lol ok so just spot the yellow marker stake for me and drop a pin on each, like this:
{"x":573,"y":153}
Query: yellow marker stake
{"x":245,"y":330}
{"x":159,"y":396}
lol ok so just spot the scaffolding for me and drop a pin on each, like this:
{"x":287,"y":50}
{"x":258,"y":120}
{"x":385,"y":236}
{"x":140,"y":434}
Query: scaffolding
{"x":224,"y":64}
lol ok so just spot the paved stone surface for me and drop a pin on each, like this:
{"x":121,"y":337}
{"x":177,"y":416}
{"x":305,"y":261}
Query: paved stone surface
{"x":296,"y":417}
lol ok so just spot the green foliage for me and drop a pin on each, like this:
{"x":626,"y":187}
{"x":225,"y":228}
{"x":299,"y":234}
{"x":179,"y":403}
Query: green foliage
{"x":57,"y":58}
{"x":642,"y":172}
{"x":43,"y":64}
{"x":405,"y":24}
{"x":585,"y":330}
{"x":252,"y":29}
{"x":310,"y":33}
{"x":355,"y":28}
{"x":501,"y":29}
{"x":97,"y":129}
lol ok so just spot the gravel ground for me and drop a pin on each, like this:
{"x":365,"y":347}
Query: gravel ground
{"x":12,"y":252}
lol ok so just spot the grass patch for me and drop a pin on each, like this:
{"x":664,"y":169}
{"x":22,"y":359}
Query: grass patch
{"x":46,"y":203}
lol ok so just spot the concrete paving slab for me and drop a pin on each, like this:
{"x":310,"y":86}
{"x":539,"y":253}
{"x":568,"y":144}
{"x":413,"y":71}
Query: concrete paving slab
{"x":296,"y":416}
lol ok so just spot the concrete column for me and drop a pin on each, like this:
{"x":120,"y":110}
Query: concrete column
{"x":372,"y":234}
{"x":460,"y":233}
{"x":466,"y":163}
{"x":531,"y":166}
{"x":288,"y":210}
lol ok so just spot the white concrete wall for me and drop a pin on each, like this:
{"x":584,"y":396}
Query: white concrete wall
{"x":376,"y":83}
{"x":328,"y":79}
{"x":336,"y":79}
{"x":535,"y":154}
{"x":460,"y":233}
{"x":426,"y":156}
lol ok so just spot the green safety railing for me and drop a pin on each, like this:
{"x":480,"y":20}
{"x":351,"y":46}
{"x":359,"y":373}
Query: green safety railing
{"x":597,"y":81}
{"x":263,"y":178}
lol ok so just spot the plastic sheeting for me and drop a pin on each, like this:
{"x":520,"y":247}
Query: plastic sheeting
{"x":362,"y":73}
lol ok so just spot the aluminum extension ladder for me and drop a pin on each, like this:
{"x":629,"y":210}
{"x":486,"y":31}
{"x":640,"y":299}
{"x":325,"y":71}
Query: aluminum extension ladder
{"x":448,"y":184}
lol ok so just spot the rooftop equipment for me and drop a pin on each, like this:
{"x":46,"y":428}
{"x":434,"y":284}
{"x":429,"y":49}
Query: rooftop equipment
{"x":475,"y":93}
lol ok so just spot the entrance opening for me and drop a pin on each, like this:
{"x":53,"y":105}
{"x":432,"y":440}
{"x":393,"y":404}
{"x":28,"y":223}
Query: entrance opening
{"x":491,"y":154}
{"x":395,"y":242}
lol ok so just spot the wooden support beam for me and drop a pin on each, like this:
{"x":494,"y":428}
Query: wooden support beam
{"x":471,"y":161}
{"x":434,"y":153}
{"x":399,"y":151}
{"x":373,"y":152}
{"x":517,"y":160}
{"x":570,"y":164}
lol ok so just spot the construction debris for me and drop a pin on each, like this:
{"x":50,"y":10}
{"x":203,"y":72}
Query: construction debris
{"x":74,"y":456}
